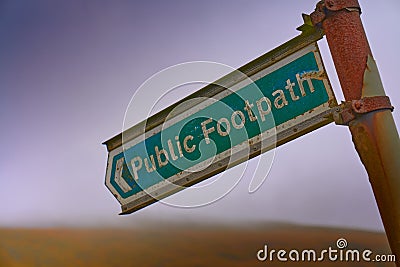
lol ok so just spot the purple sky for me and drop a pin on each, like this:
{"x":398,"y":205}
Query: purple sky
{"x":69,"y":68}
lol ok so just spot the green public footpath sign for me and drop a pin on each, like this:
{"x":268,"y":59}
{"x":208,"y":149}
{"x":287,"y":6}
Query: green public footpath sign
{"x":282,"y":101}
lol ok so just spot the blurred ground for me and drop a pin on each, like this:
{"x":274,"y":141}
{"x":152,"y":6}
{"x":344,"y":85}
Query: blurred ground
{"x":176,"y":245}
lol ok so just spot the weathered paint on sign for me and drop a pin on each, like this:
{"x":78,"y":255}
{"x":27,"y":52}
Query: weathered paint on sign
{"x":289,"y":98}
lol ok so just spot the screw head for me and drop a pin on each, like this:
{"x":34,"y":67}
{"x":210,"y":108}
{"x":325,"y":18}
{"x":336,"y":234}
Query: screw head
{"x":358,"y":105}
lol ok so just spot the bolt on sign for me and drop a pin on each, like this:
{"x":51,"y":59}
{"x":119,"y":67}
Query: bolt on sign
{"x":286,"y":94}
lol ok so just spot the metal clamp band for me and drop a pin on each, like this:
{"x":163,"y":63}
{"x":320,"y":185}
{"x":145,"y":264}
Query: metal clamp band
{"x":350,"y":110}
{"x":326,"y":6}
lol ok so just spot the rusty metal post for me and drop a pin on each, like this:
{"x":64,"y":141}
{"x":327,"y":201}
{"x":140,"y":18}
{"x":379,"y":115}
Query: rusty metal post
{"x":373,"y":129}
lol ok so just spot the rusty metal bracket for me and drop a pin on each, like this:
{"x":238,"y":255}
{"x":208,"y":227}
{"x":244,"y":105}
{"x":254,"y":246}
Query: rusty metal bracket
{"x":325,"y":7}
{"x":350,"y":110}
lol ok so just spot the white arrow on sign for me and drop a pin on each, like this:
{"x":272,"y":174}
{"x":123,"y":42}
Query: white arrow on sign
{"x":118,"y":176}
